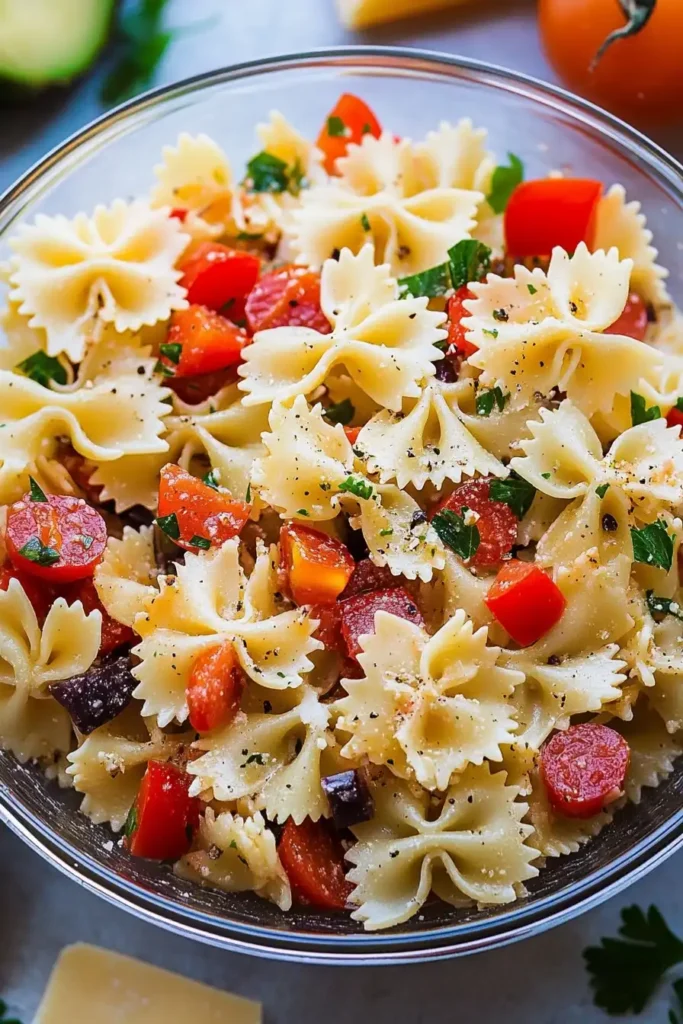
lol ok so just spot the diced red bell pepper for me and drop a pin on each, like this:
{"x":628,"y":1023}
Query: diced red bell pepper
{"x":179,"y":213}
{"x":633,"y":321}
{"x":551,"y":211}
{"x":352,"y":434}
{"x":313,"y":859}
{"x":674,"y":417}
{"x":584,"y":768}
{"x":368,"y":576}
{"x":318,"y":567}
{"x":164,"y":816}
{"x":39,"y":594}
{"x":348,"y":121}
{"x":214,"y":275}
{"x":215,"y":688}
{"x":200,"y":341}
{"x":525,"y":601}
{"x":358,"y":613}
{"x":114,"y":633}
{"x":286,"y":297}
{"x":458,"y":345}
{"x":59,"y":539}
{"x":497,"y":524}
{"x":204,"y":517}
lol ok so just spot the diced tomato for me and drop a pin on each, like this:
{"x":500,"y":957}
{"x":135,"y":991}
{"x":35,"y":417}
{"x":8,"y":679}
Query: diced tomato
{"x":458,"y":345}
{"x":674,"y":417}
{"x":215,"y":275}
{"x":114,"y":633}
{"x":358,"y":613}
{"x":368,"y":576}
{"x":584,"y":768}
{"x":551,"y":211}
{"x":201,"y":341}
{"x":348,"y":121}
{"x":633,"y":322}
{"x":287,"y":297}
{"x":80,"y":470}
{"x":525,"y":600}
{"x":313,"y":858}
{"x":329,"y":626}
{"x":164,"y":816}
{"x":203,"y":515}
{"x":318,"y":567}
{"x":193,"y":390}
{"x":497,"y":524}
{"x":215,"y":688}
{"x":40,"y":595}
{"x":60,"y":539}
{"x":352,"y":434}
{"x":179,"y":214}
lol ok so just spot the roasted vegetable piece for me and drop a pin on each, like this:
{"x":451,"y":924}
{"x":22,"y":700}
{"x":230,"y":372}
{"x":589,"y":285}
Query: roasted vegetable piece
{"x":97,"y":696}
{"x":195,"y":515}
{"x":358,"y":613}
{"x":215,"y":688}
{"x":583,"y":769}
{"x":348,"y":121}
{"x":286,"y":297}
{"x":497,"y":525}
{"x":55,"y":537}
{"x":349,"y":798}
{"x":551,"y":211}
{"x":634,"y":319}
{"x":201,"y":342}
{"x":313,"y":858}
{"x":525,"y":600}
{"x":318,"y":567}
{"x":216,"y":276}
{"x":114,"y":634}
{"x":163,"y":818}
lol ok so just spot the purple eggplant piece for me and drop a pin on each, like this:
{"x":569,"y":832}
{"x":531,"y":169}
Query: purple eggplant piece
{"x":445,"y":371}
{"x":349,"y":797}
{"x":99,"y":695}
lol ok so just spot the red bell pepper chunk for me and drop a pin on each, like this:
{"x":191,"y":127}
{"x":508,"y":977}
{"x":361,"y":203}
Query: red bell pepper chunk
{"x":348,"y":121}
{"x":352,"y":434}
{"x":358,"y":613}
{"x":286,"y":297}
{"x":313,"y":858}
{"x":458,"y":345}
{"x":114,"y":633}
{"x":39,"y":594}
{"x":215,"y":275}
{"x":674,"y":417}
{"x":164,"y":816}
{"x":58,"y":538}
{"x":196,"y":515}
{"x":525,"y":601}
{"x":633,"y":321}
{"x":496,"y":524}
{"x":215,"y":688}
{"x":200,"y":341}
{"x":318,"y":567}
{"x":179,"y":213}
{"x":584,"y":768}
{"x":551,"y":211}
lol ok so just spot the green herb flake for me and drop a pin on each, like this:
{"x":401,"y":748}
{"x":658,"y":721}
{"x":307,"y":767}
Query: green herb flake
{"x":430,"y":283}
{"x":172,"y":351}
{"x":500,"y":315}
{"x":211,"y":479}
{"x":487,"y":400}
{"x":341,"y":412}
{"x":366,"y":129}
{"x":297,"y":178}
{"x":601,"y":490}
{"x":169,"y":525}
{"x":364,"y":222}
{"x":303,"y":512}
{"x":652,"y":545}
{"x":546,"y":476}
{"x":515,"y":492}
{"x":131,"y":821}
{"x":531,"y":289}
{"x":455,"y":533}
{"x":504,"y":181}
{"x":200,"y":542}
{"x":267,"y":173}
{"x":43,"y":369}
{"x":663,"y":606}
{"x":248,"y":236}
{"x":386,"y":533}
{"x":247,"y":496}
{"x":640,"y":412}
{"x":39,"y":553}
{"x":165,"y":371}
{"x":358,"y":486}
{"x":469,"y":260}
{"x":335,"y":127}
{"x":679,"y":404}
{"x":37,"y":493}
{"x":491,"y":334}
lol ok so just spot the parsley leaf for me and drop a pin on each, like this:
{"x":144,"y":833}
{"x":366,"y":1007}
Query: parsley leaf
{"x":364,"y":222}
{"x":169,"y":525}
{"x":267,"y":173}
{"x":37,"y":493}
{"x":131,"y":821}
{"x":679,"y":404}
{"x":625,"y":972}
{"x":517,"y":493}
{"x":663,"y":606}
{"x":341,"y":412}
{"x":247,"y":496}
{"x":172,"y":351}
{"x":639,"y":411}
{"x":455,"y":533}
{"x":248,"y":236}
{"x":653,"y":545}
{"x":336,"y":127}
{"x":358,"y":486}
{"x":211,"y":480}
{"x":37,"y":552}
{"x":200,"y":542}
{"x":432,"y":282}
{"x":504,"y":181}
{"x":43,"y":369}
{"x":487,"y":399}
{"x":601,"y":490}
{"x":532,"y":289}
{"x":469,"y":260}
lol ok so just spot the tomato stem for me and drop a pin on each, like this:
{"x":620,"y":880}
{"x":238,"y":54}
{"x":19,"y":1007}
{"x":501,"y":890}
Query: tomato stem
{"x":637,"y":14}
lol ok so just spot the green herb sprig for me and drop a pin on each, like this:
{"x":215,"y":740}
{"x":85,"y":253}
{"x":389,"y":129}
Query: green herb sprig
{"x":640,"y":413}
{"x":515,"y":492}
{"x":469,"y":260}
{"x":504,"y":181}
{"x":43,"y":369}
{"x":653,"y":545}
{"x":456,"y":534}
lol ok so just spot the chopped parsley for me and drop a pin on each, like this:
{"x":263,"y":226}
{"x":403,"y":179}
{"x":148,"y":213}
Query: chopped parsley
{"x":386,"y":533}
{"x":469,"y":260}
{"x":486,"y":400}
{"x":335,"y":127}
{"x":546,"y":476}
{"x":43,"y":369}
{"x":303,"y":512}
{"x":532,"y":289}
{"x":37,"y":552}
{"x":491,"y":334}
{"x":504,"y":181}
{"x":652,"y":545}
{"x":37,"y":493}
{"x":211,"y":479}
{"x":341,"y":412}
{"x":679,"y":404}
{"x":601,"y":490}
{"x":169,"y":525}
{"x":200,"y":542}
{"x":455,"y":533}
{"x":663,"y":606}
{"x":131,"y":821}
{"x":358,"y":486}
{"x":364,"y":221}
{"x":172,"y":351}
{"x":366,"y":129}
{"x":247,"y":496}
{"x":267,"y":173}
{"x":430,"y":283}
{"x":517,"y":493}
{"x":165,"y":371}
{"x":640,"y":413}
{"x":248,"y":236}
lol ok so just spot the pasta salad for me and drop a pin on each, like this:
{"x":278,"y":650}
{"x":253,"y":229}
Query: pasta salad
{"x":341,"y":515}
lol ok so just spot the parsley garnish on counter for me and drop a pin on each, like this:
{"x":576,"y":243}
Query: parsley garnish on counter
{"x":4,"y":1019}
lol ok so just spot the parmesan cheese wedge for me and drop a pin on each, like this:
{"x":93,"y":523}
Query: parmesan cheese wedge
{"x":363,"y":13}
{"x":93,"y":986}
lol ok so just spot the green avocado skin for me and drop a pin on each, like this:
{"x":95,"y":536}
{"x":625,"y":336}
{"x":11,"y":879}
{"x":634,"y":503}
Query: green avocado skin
{"x":23,"y":78}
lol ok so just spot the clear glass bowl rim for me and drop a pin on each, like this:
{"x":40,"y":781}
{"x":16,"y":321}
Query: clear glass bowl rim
{"x":521,"y":920}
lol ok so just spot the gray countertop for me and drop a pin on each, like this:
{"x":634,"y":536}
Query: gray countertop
{"x":540,"y":981}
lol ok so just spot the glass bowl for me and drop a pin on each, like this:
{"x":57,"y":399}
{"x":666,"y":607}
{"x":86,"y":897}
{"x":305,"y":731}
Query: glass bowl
{"x":411,"y":92}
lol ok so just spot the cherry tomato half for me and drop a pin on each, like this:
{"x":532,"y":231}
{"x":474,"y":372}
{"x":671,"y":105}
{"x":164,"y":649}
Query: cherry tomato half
{"x":633,"y":321}
{"x":287,"y":297}
{"x":348,"y":121}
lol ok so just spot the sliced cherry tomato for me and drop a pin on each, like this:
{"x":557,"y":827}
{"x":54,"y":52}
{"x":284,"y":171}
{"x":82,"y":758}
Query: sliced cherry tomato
{"x":352,"y":434}
{"x":114,"y":633}
{"x":525,"y":600}
{"x":215,"y":688}
{"x":313,"y":858}
{"x":584,"y":768}
{"x":497,"y":524}
{"x":193,"y":390}
{"x":201,"y":515}
{"x":458,"y":345}
{"x":674,"y":417}
{"x":329,"y":626}
{"x":358,"y":613}
{"x":633,"y":322}
{"x":215,"y":275}
{"x":40,"y":595}
{"x":368,"y":576}
{"x":551,"y":211}
{"x":318,"y":567}
{"x":164,"y":816}
{"x":60,"y":539}
{"x":348,"y":121}
{"x":287,"y":297}
{"x":201,"y":341}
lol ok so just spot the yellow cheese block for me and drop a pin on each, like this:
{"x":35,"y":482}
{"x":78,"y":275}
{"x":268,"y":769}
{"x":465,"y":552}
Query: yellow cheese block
{"x":362,"y":13}
{"x":92,"y":986}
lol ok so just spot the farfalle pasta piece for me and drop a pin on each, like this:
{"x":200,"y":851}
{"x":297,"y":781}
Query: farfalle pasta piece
{"x":386,"y":344}
{"x":621,"y":224}
{"x":653,"y":751}
{"x":502,"y":429}
{"x":125,"y":578}
{"x":429,"y":443}
{"x":237,"y":854}
{"x":654,"y":652}
{"x":475,"y":850}
{"x":118,"y":266}
{"x":428,"y":706}
{"x":280,"y":139}
{"x":455,"y":156}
